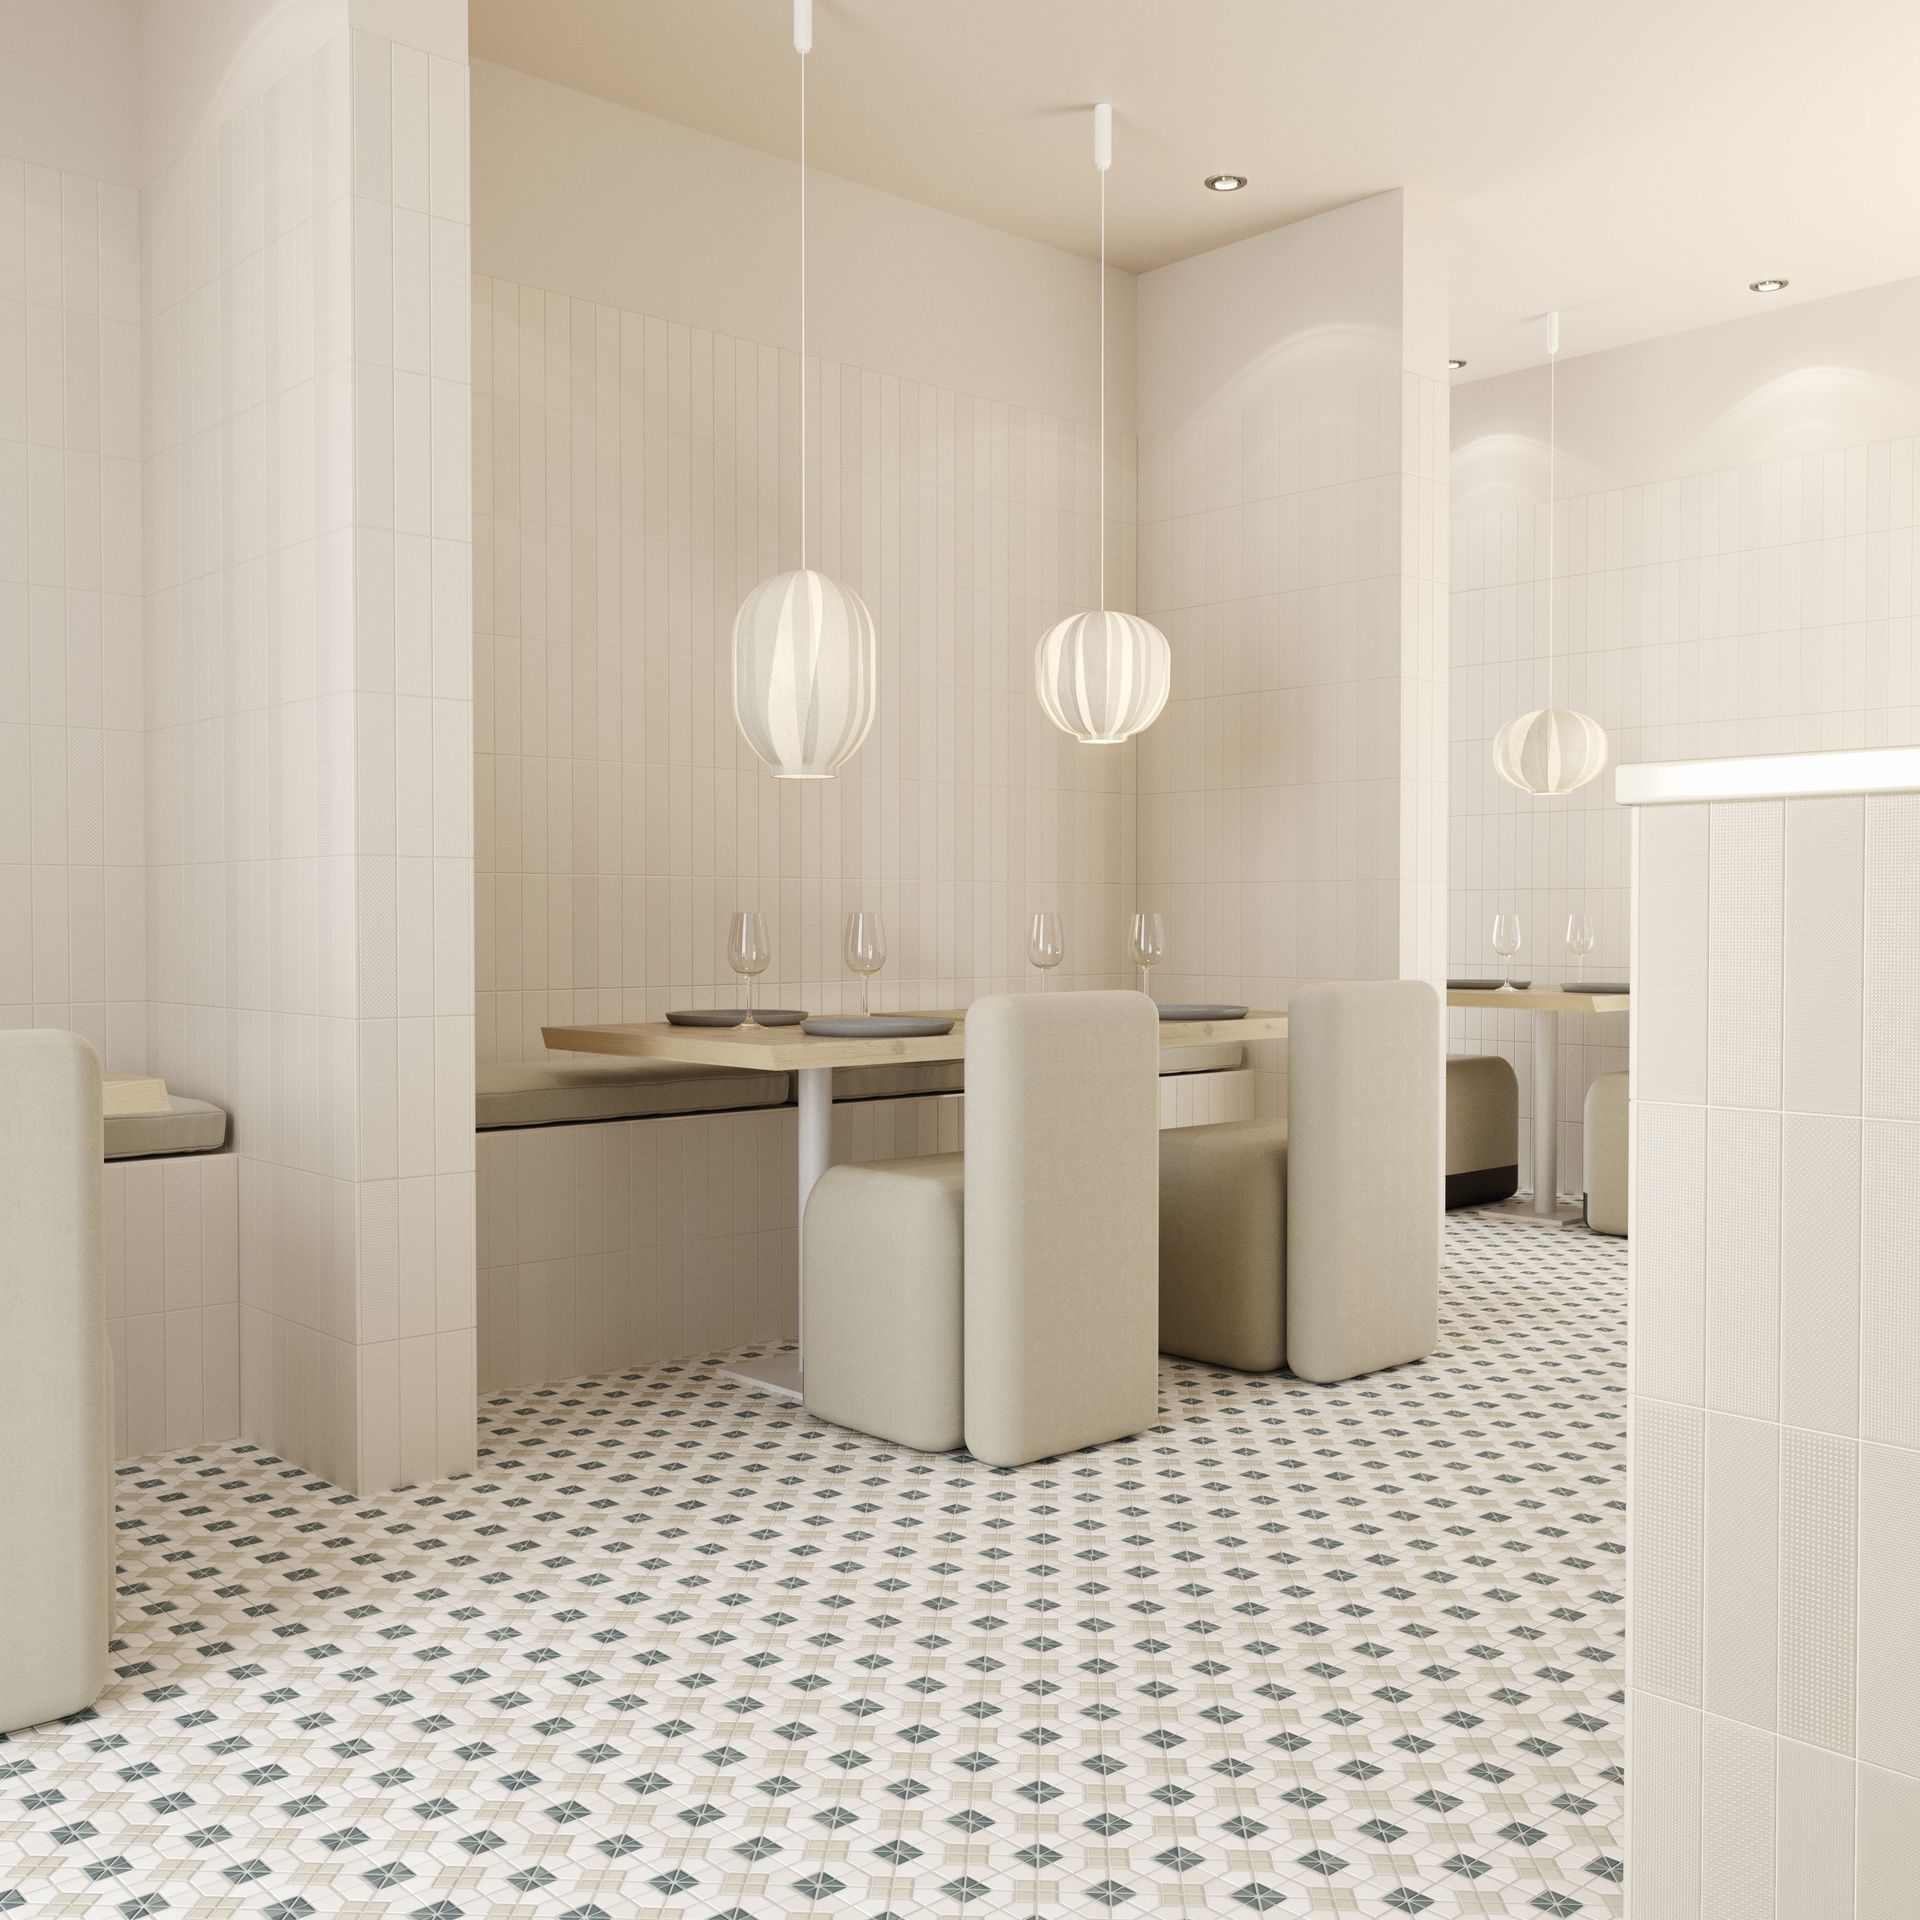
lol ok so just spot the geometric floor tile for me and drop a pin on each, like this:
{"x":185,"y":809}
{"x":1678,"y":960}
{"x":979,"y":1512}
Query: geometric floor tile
{"x":675,"y":1649}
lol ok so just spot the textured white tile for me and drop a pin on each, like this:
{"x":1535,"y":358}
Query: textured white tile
{"x":1743,"y":1262}
{"x":1813,"y":1837}
{"x":1736,"y":1821}
{"x":1669,"y":1251}
{"x":1890,"y":1015}
{"x":1664,"y":1812}
{"x":1818,"y":1537}
{"x":1889,"y":1576}
{"x":1666,"y":1508}
{"x":1744,"y":948}
{"x":1889,"y":1299}
{"x":1822,"y":972}
{"x":1739,"y":1629}
{"x":1886,"y":1817}
{"x":1671,"y":958}
{"x":1820,"y":1251}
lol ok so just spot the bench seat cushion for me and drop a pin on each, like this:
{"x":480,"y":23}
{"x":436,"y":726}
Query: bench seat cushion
{"x":187,"y":1126}
{"x":567,"y":1092}
{"x":949,"y":1076}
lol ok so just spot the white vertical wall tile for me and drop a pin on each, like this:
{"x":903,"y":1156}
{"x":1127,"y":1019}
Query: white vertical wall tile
{"x":1665,"y":1611}
{"x":1889,"y":1579}
{"x":1736,"y":1819}
{"x":1743,"y":1262}
{"x":1668,"y":1299}
{"x":1822,"y":973}
{"x":1889,"y":1298}
{"x":1818,"y":1540}
{"x":1820,"y":1251}
{"x":1744,"y":948}
{"x":1663,"y":1817}
{"x":1887,"y":1816}
{"x":1813,"y":1838}
{"x":1890,"y":1013}
{"x":1671,"y":954}
{"x":1740,"y":1627}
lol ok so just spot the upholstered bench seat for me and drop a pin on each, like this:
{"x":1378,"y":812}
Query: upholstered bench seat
{"x":187,"y":1126}
{"x":1483,"y":1130}
{"x":949,"y":1076}
{"x":1609,"y":1177}
{"x":569,"y":1092}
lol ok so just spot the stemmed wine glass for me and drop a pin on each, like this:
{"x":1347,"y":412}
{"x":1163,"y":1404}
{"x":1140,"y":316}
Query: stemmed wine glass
{"x":1579,"y":941}
{"x":1147,"y":943}
{"x":1046,"y":944}
{"x":865,"y":947}
{"x":1506,"y":942}
{"x":748,"y":952}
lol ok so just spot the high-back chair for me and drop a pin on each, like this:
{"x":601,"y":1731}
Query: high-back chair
{"x":56,"y":1411}
{"x":1004,"y":1299}
{"x":1314,"y":1242}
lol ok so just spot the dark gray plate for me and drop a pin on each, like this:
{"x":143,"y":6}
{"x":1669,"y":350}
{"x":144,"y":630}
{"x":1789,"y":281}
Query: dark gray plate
{"x":1596,"y":986}
{"x":876,"y":1026}
{"x":732,"y":1016}
{"x":1488,"y":986}
{"x":1200,"y":1010}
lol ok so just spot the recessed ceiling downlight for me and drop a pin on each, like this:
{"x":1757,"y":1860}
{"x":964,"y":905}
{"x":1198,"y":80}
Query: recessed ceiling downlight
{"x":1225,"y":182}
{"x":1455,"y":364}
{"x":1766,"y":286}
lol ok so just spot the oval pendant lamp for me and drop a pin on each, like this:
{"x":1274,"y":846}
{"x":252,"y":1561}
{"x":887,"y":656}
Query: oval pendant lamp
{"x":1551,"y":750}
{"x":805,"y":655}
{"x":1104,"y":676}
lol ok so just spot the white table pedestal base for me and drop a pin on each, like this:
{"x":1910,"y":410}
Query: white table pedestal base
{"x":780,"y":1372}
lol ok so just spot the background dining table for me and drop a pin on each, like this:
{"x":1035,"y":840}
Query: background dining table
{"x":811,"y":1059}
{"x":1546,"y":1005}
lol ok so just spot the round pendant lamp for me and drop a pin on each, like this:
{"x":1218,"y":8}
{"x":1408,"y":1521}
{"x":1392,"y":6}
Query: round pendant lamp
{"x":1552,"y":750}
{"x":1103,"y":677}
{"x":805,"y":655}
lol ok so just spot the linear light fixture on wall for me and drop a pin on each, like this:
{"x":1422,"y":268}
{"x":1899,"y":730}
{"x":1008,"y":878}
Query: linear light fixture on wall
{"x":805,"y":656}
{"x":1103,"y":677}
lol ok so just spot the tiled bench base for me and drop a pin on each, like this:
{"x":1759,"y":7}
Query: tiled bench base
{"x":171,"y":1257}
{"x":618,"y":1245}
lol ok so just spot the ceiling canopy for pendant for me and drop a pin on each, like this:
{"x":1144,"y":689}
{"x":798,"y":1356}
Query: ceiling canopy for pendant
{"x":1104,"y":676}
{"x":805,"y":654}
{"x":1552,"y":750}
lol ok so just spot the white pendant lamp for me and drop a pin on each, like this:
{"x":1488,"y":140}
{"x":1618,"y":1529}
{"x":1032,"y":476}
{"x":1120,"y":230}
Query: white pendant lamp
{"x":1103,"y":677}
{"x":1552,"y":750}
{"x":805,"y":656}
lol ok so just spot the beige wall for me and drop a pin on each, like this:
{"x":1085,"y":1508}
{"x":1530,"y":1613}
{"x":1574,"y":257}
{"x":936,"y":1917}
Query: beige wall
{"x":1735,"y":520}
{"x":1292,"y":493}
{"x":638,"y":399}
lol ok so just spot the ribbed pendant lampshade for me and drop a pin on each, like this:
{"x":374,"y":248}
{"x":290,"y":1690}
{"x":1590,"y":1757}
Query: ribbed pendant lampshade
{"x":1551,"y":750}
{"x":804,"y":663}
{"x":1102,"y":677}
{"x":804,"y":651}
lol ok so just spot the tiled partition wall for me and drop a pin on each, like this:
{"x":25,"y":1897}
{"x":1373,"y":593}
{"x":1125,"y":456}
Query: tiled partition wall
{"x":72,"y":855}
{"x":309,"y":713}
{"x":1292,"y":798}
{"x":1774,"y":1752}
{"x":1759,"y":607}
{"x":635,"y":477}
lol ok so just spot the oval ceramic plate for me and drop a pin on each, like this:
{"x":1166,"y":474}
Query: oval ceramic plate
{"x":1485,"y":986}
{"x":1200,"y":1010}
{"x":876,"y":1026}
{"x":1596,"y":986}
{"x":733,"y":1016}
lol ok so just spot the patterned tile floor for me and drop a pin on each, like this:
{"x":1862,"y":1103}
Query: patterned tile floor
{"x":677,"y":1651}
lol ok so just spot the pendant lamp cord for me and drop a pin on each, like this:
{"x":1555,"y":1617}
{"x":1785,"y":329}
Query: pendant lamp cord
{"x":1100,"y":529}
{"x":803,"y":309}
{"x":1553,"y":367}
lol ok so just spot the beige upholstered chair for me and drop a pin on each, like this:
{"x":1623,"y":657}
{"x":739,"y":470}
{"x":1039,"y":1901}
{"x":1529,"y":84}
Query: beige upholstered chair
{"x":1483,"y":1129}
{"x":1607,"y":1178}
{"x":56,"y":1409}
{"x":1004,"y":1299}
{"x":1316,"y":1242}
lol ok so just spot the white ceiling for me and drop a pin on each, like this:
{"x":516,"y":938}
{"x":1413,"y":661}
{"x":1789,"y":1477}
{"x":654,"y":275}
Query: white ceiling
{"x":1632,"y":162}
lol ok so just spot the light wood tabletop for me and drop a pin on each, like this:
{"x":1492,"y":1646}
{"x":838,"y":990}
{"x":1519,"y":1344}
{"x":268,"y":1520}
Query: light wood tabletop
{"x":788,"y":1050}
{"x":1538,"y":1000}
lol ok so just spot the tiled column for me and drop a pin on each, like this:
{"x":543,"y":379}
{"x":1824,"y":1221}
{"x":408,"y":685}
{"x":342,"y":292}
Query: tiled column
{"x":308,"y":706}
{"x":1774,"y":1742}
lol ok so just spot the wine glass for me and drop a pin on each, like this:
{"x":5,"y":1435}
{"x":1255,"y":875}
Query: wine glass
{"x":1579,"y":941}
{"x":1046,"y":944}
{"x":865,"y":946}
{"x":1147,"y":943}
{"x":748,"y":952}
{"x":1506,"y":942}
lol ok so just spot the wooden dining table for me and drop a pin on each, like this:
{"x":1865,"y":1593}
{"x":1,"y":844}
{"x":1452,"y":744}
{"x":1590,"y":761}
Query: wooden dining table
{"x":1545,"y":1005}
{"x":811,"y":1059}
